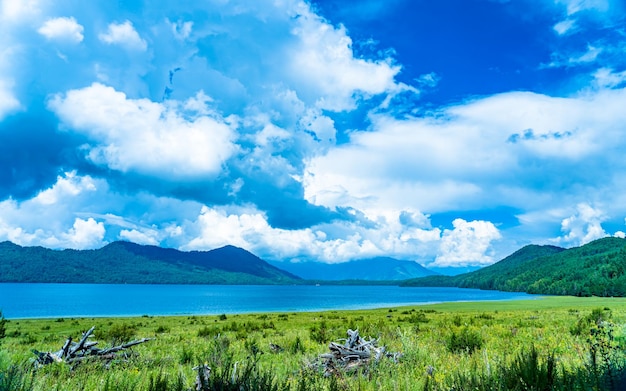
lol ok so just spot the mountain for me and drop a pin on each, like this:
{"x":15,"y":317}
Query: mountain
{"x":597,"y":268}
{"x":124,"y":262}
{"x":371,"y":269}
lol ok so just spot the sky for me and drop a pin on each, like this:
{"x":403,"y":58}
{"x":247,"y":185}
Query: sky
{"x":448,"y":132}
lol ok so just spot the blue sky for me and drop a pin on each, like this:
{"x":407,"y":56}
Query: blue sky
{"x":449,"y":132}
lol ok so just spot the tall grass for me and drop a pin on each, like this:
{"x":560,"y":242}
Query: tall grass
{"x":559,"y":344}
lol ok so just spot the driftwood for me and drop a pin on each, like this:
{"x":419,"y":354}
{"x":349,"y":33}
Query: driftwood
{"x":75,"y":352}
{"x":355,"y":353}
{"x":202,"y":378}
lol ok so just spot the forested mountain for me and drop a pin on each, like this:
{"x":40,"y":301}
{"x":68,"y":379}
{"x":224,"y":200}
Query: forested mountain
{"x":124,"y":262}
{"x":597,"y":268}
{"x":371,"y":269}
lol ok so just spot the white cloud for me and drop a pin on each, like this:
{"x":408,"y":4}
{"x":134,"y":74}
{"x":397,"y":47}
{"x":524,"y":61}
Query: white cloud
{"x":620,"y":234}
{"x":249,"y":229}
{"x":575,"y":6}
{"x":583,"y":227}
{"x":590,"y":55}
{"x":125,"y":35}
{"x":324,"y":61}
{"x":608,"y":78}
{"x":428,"y":80}
{"x":47,"y":219}
{"x":62,"y":29}
{"x":468,"y":244}
{"x":16,"y":11}
{"x":84,"y":234}
{"x":140,"y":237}
{"x":565,"y":26}
{"x":474,"y":154}
{"x":8,"y":102}
{"x":137,"y":135}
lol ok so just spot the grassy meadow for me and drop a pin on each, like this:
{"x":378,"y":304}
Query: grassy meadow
{"x":548,"y":343}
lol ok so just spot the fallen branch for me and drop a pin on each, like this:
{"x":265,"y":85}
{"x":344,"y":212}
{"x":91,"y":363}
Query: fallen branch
{"x":356,"y":352}
{"x":72,"y":352}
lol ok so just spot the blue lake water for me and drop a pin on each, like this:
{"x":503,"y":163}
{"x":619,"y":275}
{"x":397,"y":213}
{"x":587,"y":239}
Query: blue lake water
{"x":97,"y":300}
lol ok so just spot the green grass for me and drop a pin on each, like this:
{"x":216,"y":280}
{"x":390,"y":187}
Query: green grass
{"x":513,"y":343}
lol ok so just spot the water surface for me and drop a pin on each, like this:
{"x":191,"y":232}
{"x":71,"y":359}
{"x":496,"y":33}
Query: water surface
{"x":96,"y":300}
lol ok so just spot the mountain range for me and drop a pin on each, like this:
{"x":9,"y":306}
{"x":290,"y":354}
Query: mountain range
{"x":597,"y":268}
{"x":370,"y":269}
{"x":124,"y":262}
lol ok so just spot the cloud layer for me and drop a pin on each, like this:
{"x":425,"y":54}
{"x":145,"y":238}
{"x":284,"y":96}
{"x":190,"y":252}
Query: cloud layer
{"x":270,"y":126}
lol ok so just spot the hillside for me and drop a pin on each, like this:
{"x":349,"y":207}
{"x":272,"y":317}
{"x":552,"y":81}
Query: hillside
{"x":597,"y":268}
{"x":123,"y":262}
{"x":371,"y":269}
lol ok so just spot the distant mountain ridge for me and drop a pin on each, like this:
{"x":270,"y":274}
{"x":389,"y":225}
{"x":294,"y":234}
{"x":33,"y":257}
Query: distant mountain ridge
{"x":125,"y":262}
{"x":370,"y":269}
{"x":597,"y":268}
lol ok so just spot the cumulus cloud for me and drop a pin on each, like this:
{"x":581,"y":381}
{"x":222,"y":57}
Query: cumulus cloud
{"x":468,"y":244}
{"x":84,"y":234}
{"x":468,"y":155}
{"x":583,"y":227}
{"x":385,"y":234}
{"x":323,"y":59}
{"x":149,"y":237}
{"x":64,"y":29}
{"x":137,"y":135}
{"x":125,"y":35}
{"x":47,"y":219}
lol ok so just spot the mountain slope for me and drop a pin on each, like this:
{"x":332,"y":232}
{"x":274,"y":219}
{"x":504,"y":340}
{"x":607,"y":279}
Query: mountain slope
{"x":124,"y":262}
{"x":371,"y":269}
{"x":597,"y":268}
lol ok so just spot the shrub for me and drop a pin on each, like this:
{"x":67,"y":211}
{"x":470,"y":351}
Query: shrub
{"x":3,"y":327}
{"x":119,"y":333}
{"x":466,"y":340}
{"x":319,"y":333}
{"x":161,"y":329}
{"x":296,"y":346}
{"x":207,"y":331}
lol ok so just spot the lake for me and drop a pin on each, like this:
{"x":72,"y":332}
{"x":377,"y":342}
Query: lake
{"x":29,"y":300}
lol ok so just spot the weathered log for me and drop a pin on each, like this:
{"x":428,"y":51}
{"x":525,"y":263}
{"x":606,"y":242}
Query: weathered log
{"x":72,"y":353}
{"x":354,"y":353}
{"x":82,"y":341}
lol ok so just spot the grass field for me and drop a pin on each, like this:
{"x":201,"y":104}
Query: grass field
{"x":548,"y":343}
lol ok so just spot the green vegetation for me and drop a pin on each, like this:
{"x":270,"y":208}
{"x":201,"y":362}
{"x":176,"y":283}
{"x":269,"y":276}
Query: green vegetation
{"x":553,"y":343}
{"x":123,"y":262}
{"x":597,"y":268}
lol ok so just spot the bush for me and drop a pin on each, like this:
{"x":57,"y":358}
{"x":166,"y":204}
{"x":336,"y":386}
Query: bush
{"x":596,"y":317}
{"x":120,"y":333}
{"x":466,"y":340}
{"x":207,"y":331}
{"x":319,"y":333}
{"x":3,"y":327}
{"x":296,"y":346}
